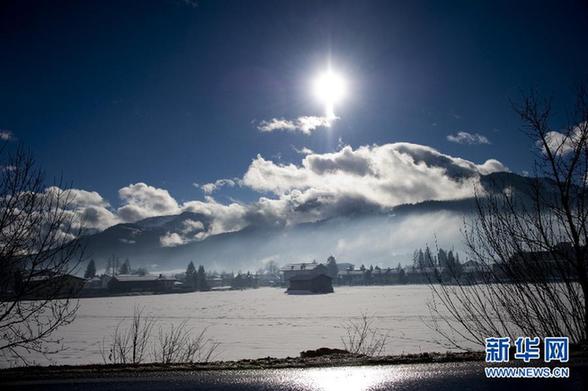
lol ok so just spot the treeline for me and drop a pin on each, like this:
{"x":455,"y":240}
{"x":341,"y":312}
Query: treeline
{"x":424,"y":259}
{"x":196,"y":279}
{"x":114,"y":267}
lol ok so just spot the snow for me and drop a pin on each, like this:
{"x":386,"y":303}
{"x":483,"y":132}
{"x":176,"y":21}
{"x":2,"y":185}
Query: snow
{"x":258,"y":322}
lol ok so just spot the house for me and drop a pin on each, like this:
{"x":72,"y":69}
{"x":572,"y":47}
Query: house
{"x":214,"y":281}
{"x":310,"y":284}
{"x":417,"y":275}
{"x":54,"y":286}
{"x":352,"y":277}
{"x":300,"y":269}
{"x":132,"y":283}
{"x":554,"y":265}
{"x":307,"y":278}
{"x":345,"y":266}
{"x":267,"y":278}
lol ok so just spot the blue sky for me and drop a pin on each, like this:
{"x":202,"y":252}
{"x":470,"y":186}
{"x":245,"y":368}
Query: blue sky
{"x":170,"y":94}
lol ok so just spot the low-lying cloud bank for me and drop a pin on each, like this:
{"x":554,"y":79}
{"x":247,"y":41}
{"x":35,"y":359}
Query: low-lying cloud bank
{"x":343,"y":183}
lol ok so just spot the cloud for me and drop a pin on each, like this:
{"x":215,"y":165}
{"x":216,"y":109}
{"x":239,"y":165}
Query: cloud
{"x":303,"y":150}
{"x":304,"y":124}
{"x":348,"y":182}
{"x":490,"y":166}
{"x":141,"y":201}
{"x":468,"y":138}
{"x":382,"y":176}
{"x":222,"y":217}
{"x":190,"y":231}
{"x":171,"y":239}
{"x":564,"y":143}
{"x":210,"y":188}
{"x":6,"y":135}
{"x":83,"y":209}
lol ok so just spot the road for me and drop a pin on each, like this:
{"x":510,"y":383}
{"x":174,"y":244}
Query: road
{"x":446,"y":376}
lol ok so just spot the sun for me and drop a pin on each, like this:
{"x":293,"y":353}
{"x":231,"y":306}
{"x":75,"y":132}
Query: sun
{"x":329,"y":88}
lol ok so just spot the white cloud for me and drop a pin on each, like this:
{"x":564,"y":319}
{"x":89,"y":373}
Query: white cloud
{"x":320,"y":186}
{"x":383,"y":176}
{"x":224,"y":218}
{"x":6,"y":135}
{"x":564,"y":143}
{"x":304,"y":124}
{"x":141,"y":201}
{"x":490,"y":166}
{"x":90,"y":209}
{"x":210,"y":188}
{"x":468,"y":138}
{"x":171,"y":239}
{"x":190,"y":231}
{"x":303,"y":150}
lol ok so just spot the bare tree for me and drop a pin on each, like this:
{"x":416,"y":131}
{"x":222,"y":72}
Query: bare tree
{"x":362,"y":337}
{"x":129,"y":346}
{"x":177,"y":345}
{"x":529,"y":243}
{"x":36,"y":255}
{"x":174,"y":344}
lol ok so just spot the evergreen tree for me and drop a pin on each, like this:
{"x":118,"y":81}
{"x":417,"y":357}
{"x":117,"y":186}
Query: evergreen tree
{"x":90,"y":270}
{"x":125,"y":268}
{"x":429,"y":261}
{"x":201,"y":283}
{"x":332,"y":268}
{"x":442,"y":257}
{"x":455,"y":265}
{"x":191,"y":276}
{"x":401,"y":275}
{"x":420,"y":259}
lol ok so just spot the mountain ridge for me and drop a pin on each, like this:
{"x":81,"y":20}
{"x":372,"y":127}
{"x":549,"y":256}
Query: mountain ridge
{"x":141,"y":241}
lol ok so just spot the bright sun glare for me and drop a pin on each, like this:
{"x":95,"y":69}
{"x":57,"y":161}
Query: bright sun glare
{"x":329,"y":88}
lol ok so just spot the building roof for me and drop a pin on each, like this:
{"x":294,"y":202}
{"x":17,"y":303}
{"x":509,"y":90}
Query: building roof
{"x":53,"y":277}
{"x":345,"y":265}
{"x":134,"y":278}
{"x":352,"y":272}
{"x":300,"y":266}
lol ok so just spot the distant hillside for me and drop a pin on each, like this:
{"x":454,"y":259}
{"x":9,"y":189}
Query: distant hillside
{"x":248,"y":248}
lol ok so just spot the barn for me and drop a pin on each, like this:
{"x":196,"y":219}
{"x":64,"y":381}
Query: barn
{"x":310,"y":284}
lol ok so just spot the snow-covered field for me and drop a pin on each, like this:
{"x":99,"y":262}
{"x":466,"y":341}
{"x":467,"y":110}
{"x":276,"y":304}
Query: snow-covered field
{"x":259,"y":322}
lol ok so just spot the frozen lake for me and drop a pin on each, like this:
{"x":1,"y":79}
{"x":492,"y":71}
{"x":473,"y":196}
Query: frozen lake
{"x":259,"y":322}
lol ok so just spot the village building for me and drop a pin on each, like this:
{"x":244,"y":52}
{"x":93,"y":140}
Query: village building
{"x":132,"y":283}
{"x":303,"y":268}
{"x":58,"y":285}
{"x":351,"y":277}
{"x":345,"y":266}
{"x":553,"y":265}
{"x":214,"y":281}
{"x":307,"y":278}
{"x":267,"y":278}
{"x":309,"y":284}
